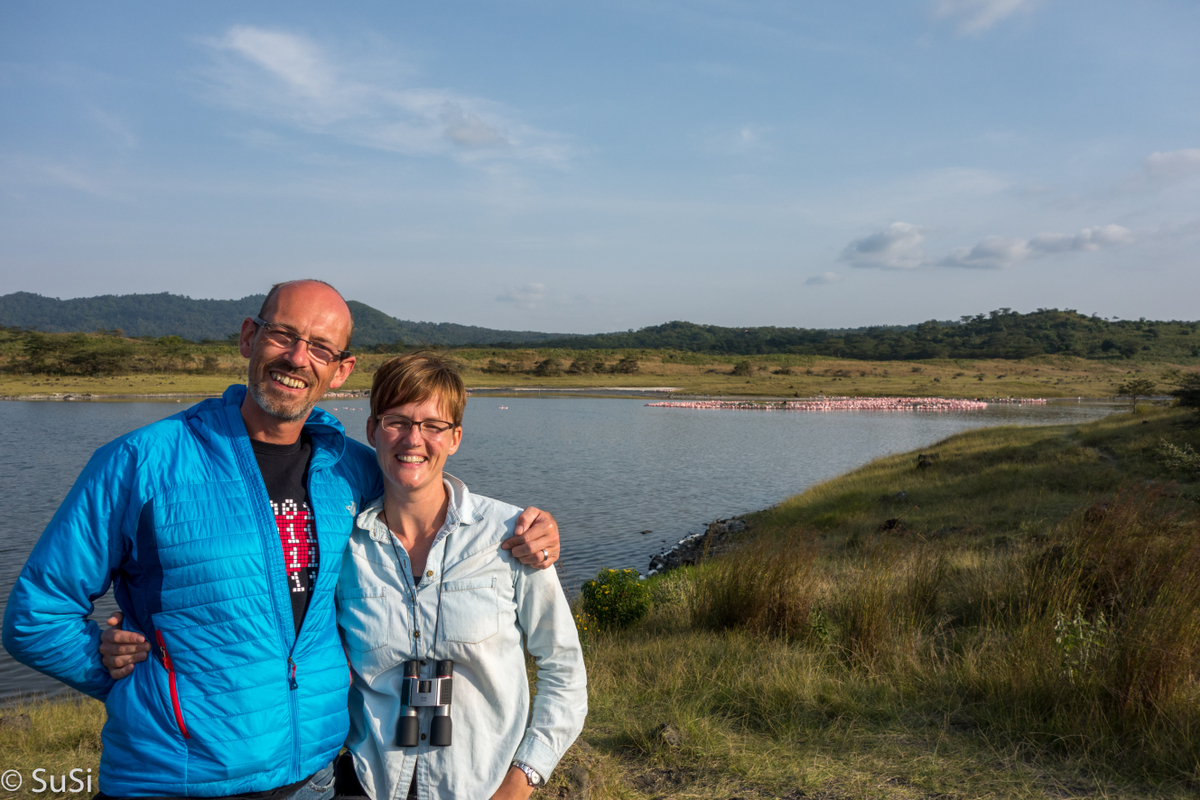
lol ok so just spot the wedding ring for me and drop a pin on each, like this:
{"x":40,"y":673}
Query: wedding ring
{"x":545,"y":554}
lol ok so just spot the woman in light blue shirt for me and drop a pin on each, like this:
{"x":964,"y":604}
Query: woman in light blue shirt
{"x":424,"y":580}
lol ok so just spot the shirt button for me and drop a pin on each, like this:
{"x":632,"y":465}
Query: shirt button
{"x":422,"y":737}
{"x":416,"y":634}
{"x":429,"y":573}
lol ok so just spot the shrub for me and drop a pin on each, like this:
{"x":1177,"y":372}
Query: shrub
{"x":1178,"y":459}
{"x":627,"y":366}
{"x":768,"y":588}
{"x":497,"y":367}
{"x":615,"y":598}
{"x":548,"y":368}
{"x":742,"y":368}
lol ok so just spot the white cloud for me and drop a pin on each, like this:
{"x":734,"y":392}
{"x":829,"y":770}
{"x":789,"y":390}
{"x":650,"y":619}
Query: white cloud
{"x":994,"y":252}
{"x":823,"y":278}
{"x":898,"y":246}
{"x":528,"y":296}
{"x":1172,"y":165}
{"x":468,"y":129}
{"x":998,"y":252}
{"x":288,"y":79}
{"x":292,"y":59}
{"x":1086,"y":240}
{"x":976,"y":16}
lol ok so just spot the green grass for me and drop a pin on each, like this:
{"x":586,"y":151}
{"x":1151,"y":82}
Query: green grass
{"x":55,"y":736}
{"x":1030,"y":628}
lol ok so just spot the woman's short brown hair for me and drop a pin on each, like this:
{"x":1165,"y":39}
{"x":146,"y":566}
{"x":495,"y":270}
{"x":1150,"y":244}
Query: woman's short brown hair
{"x":415,"y":378}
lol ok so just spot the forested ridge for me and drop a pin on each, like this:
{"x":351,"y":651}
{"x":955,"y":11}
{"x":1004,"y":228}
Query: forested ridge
{"x":1003,"y":333}
{"x":999,"y":334}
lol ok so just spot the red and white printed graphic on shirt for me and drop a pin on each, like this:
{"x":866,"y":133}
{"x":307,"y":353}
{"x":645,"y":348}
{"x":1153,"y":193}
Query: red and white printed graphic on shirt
{"x":298,"y":534}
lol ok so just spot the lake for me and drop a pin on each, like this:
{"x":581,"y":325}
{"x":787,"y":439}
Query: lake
{"x":607,"y":468}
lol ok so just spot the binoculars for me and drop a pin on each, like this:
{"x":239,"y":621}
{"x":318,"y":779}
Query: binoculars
{"x":416,"y":692}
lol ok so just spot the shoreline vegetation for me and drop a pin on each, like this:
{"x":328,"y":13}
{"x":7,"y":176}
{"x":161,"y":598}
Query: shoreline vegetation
{"x":1010,"y":612}
{"x":667,"y":374}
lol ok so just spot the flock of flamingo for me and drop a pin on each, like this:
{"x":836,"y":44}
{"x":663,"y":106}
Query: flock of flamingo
{"x":845,"y":404}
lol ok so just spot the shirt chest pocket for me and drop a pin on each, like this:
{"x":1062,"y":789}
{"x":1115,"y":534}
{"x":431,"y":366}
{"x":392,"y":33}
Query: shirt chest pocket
{"x":470,"y":610}
{"x":362,"y":615}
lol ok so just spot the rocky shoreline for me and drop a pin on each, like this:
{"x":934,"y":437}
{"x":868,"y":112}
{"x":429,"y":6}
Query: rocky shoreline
{"x":718,"y":537}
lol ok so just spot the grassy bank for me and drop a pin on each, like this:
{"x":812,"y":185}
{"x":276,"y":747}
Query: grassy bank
{"x":688,"y":373}
{"x":1019,"y":619}
{"x":56,"y":737}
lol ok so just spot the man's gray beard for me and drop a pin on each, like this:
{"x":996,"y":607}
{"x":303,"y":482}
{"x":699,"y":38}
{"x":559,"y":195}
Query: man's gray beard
{"x":274,"y":409}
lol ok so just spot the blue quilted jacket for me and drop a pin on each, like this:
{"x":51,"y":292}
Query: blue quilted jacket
{"x":175,"y":517}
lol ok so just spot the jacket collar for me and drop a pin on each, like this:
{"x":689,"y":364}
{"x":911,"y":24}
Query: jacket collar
{"x":223,"y":415}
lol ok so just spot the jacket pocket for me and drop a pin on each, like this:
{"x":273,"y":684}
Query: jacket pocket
{"x":470,"y":610}
{"x":175,"y":705}
{"x":362,"y":615}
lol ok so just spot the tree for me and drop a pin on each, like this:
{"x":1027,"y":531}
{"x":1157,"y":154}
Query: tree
{"x":497,"y":367}
{"x":584,"y":365}
{"x":1187,"y":388}
{"x":548,"y":368}
{"x":627,"y":366}
{"x":1135,"y":388}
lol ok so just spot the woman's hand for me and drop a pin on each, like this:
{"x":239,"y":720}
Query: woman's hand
{"x":515,"y":786}
{"x":536,"y":542}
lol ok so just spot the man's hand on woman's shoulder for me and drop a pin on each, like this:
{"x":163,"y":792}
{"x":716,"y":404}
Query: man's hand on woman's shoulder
{"x":536,"y":542}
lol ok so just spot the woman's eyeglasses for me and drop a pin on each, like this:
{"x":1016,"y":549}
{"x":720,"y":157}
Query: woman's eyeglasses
{"x":400,"y":426}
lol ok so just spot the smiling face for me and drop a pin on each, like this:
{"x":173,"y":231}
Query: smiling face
{"x":413,"y":462}
{"x":285,"y":382}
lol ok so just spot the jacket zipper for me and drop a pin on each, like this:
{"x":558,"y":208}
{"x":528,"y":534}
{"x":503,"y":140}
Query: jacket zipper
{"x":162,"y":645}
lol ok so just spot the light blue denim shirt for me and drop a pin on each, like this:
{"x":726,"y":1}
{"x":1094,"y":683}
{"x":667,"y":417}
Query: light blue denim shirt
{"x":489,"y":600}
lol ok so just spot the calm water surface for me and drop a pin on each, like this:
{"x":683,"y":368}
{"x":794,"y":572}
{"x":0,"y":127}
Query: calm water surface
{"x":607,"y":468}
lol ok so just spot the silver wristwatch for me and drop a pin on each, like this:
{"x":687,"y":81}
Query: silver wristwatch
{"x":531,"y":774}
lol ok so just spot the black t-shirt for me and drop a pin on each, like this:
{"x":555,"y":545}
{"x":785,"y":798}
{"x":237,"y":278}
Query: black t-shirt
{"x":284,"y":469}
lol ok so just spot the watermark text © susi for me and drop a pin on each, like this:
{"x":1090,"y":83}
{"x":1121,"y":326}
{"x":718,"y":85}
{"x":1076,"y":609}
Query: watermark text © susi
{"x":80,"y":781}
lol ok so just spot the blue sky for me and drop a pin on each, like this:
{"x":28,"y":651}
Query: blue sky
{"x":585,"y":167}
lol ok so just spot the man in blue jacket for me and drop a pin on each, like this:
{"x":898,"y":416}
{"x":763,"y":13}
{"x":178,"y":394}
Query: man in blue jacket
{"x":221,"y":531}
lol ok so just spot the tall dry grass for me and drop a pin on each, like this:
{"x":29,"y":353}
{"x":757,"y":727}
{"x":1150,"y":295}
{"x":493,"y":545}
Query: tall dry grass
{"x":1103,"y":651}
{"x":767,"y":587}
{"x":1085,"y":645}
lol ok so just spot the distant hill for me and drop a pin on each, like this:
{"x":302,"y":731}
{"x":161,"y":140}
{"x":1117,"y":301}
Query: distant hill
{"x":999,"y":334}
{"x":174,"y":315}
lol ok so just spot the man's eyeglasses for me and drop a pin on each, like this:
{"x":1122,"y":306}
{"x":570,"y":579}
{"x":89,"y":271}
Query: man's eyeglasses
{"x":282,"y":337}
{"x":431,"y":429}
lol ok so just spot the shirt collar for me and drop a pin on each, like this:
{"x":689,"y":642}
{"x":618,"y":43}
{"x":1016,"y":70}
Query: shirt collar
{"x":461,"y":511}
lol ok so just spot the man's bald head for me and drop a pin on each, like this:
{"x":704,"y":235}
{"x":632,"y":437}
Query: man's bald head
{"x":308,"y":285}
